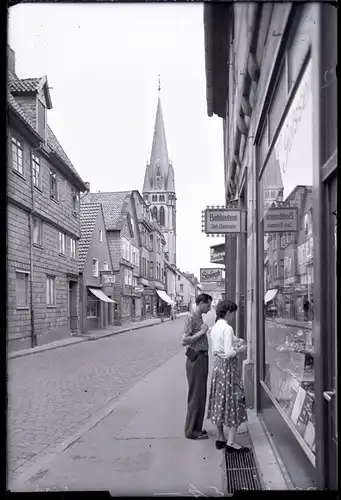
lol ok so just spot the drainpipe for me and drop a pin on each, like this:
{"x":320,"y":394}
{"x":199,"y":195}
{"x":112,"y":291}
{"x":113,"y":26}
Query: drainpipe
{"x":30,"y":223}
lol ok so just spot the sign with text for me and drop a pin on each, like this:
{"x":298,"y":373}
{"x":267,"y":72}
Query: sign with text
{"x":224,"y":220}
{"x":279,"y":219}
{"x":211,"y":274}
{"x":108,"y":279}
{"x":217,"y":254}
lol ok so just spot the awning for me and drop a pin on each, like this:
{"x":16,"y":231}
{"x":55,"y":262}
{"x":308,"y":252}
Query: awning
{"x":101,"y":296}
{"x":165,"y":297}
{"x":270,"y":295}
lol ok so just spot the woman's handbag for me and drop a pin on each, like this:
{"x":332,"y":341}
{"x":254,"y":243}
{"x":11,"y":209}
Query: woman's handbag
{"x":191,"y":354}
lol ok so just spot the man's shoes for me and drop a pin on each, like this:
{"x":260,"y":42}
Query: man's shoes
{"x":198,"y":436}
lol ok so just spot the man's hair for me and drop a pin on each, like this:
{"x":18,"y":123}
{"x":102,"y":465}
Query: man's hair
{"x":225,"y":306}
{"x":203,"y":297}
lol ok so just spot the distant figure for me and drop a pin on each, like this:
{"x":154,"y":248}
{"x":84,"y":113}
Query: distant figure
{"x":226,"y":406}
{"x":195,"y":339}
{"x":306,"y":307}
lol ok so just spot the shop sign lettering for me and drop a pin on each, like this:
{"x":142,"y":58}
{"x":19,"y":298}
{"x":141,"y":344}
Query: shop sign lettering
{"x":278,"y":220}
{"x":108,"y":279}
{"x":217,"y":254}
{"x":211,"y":275}
{"x":224,"y":221}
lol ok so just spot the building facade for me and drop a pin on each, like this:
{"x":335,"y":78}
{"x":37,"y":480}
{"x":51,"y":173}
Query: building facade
{"x":97,"y":278}
{"x":159,"y":186}
{"x":186,"y":290}
{"x":271,"y":77}
{"x":137,"y":249}
{"x":43,"y":191}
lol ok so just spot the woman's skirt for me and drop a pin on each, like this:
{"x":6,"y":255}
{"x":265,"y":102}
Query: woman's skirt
{"x":226,"y":405}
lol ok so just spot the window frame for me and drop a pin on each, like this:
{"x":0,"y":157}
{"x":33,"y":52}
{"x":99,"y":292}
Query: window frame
{"x":53,"y":178}
{"x":73,"y":248}
{"x":95,"y":268}
{"x":92,"y":301}
{"x":62,"y":243}
{"x":100,"y":236}
{"x":16,"y":147}
{"x":75,"y":202}
{"x":20,"y":272}
{"x":50,"y":300}
{"x":40,"y":241}
{"x":36,"y":162}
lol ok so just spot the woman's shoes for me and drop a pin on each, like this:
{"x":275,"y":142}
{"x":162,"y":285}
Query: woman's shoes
{"x":232,"y":449}
{"x":220,"y":444}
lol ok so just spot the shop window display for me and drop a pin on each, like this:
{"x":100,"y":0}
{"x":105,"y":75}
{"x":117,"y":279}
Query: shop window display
{"x":287,"y":219}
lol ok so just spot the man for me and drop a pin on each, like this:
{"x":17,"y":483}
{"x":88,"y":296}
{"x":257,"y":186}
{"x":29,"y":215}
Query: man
{"x":195,"y":339}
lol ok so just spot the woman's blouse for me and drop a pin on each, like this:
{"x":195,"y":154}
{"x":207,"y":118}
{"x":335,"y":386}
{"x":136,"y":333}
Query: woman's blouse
{"x":223,"y":339}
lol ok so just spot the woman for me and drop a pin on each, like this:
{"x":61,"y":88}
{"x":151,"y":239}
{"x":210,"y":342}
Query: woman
{"x":227,"y":400}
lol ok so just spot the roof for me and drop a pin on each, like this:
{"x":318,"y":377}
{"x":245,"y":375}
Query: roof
{"x":16,"y":84}
{"x":159,"y":160}
{"x":113,"y":205}
{"x":88,"y":217}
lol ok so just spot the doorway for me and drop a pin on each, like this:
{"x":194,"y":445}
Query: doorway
{"x":73,"y":310}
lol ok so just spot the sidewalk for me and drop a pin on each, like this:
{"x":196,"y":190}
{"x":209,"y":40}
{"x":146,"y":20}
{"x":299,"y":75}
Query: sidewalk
{"x":138,"y":447}
{"x":90,"y":335}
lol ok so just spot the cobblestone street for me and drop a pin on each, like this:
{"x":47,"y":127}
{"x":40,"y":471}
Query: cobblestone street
{"x":52,"y":394}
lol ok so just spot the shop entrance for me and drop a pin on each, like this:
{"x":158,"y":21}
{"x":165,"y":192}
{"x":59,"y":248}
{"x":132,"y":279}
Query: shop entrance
{"x":330,"y":394}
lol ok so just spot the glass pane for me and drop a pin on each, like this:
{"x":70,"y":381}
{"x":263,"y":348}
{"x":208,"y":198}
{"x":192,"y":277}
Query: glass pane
{"x":286,"y":206}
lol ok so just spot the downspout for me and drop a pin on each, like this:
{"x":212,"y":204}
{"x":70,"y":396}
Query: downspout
{"x":30,"y":223}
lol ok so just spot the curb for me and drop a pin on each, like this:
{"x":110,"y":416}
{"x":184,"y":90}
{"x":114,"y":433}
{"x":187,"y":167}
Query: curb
{"x":92,"y":338}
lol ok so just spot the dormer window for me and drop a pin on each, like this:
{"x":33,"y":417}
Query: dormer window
{"x":41,"y":119}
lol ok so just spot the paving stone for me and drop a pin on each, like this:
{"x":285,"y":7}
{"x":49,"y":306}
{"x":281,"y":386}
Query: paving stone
{"x":53,"y":393}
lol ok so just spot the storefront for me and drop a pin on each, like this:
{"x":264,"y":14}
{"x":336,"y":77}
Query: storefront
{"x":284,"y":172}
{"x":99,"y":310}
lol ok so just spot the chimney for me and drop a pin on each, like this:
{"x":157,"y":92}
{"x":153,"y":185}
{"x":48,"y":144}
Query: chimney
{"x":10,"y":59}
{"x":87,"y":185}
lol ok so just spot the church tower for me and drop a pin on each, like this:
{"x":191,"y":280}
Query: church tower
{"x":159,"y":186}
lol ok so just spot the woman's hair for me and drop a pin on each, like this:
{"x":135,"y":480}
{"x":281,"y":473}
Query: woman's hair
{"x":223,"y":307}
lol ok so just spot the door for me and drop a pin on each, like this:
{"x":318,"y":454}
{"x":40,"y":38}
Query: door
{"x":73,"y":310}
{"x":330,"y":394}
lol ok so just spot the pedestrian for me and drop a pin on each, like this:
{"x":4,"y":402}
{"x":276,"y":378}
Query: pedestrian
{"x":195,"y":339}
{"x":226,"y":405}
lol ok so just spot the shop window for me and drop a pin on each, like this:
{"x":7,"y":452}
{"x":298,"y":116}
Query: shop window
{"x":92,"y":306}
{"x":289,"y":348}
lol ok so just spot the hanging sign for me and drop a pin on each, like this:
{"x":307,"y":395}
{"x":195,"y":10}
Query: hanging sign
{"x":221,"y":221}
{"x":108,"y":279}
{"x":279,"y":219}
{"x":211,"y":274}
{"x":217,"y":254}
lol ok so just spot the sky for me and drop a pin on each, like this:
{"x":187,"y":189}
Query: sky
{"x":102,"y":62}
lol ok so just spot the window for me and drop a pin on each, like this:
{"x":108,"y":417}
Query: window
{"x":73,"y":253}
{"x":154,"y":197}
{"x":105,"y":266}
{"x":17,"y":156}
{"x":51,"y":290}
{"x":92,"y":306}
{"x":101,"y":235}
{"x":37,"y":231}
{"x":151,"y":270}
{"x":95,"y":268}
{"x":36,"y":172}
{"x":155,"y":212}
{"x":61,"y":243}
{"x":53,"y":185}
{"x":162,"y":216}
{"x":162,"y":197}
{"x":181,"y":288}
{"x":21,"y":286}
{"x":75,"y":201}
{"x":126,"y":277}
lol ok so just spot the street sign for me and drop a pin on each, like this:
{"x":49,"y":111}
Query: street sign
{"x":217,"y":254}
{"x":279,"y":220}
{"x":224,"y":221}
{"x":209,"y":274}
